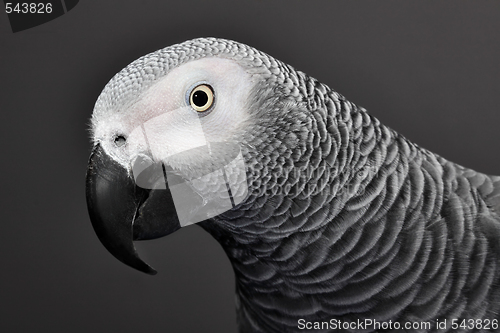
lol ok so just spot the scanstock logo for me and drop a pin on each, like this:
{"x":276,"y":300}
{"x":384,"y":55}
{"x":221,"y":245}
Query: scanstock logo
{"x":28,"y":14}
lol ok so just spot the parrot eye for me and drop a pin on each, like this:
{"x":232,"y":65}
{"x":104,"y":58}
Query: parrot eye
{"x":201,"y":97}
{"x":120,"y":140}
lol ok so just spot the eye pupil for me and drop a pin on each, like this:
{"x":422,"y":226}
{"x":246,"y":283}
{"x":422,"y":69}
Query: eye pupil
{"x":200,"y":98}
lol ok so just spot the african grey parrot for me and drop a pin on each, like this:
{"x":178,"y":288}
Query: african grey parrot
{"x":335,"y":222}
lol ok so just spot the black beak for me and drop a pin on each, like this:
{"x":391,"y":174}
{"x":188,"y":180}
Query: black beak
{"x":122,"y":212}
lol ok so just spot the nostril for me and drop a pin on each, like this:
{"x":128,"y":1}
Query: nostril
{"x":120,"y":140}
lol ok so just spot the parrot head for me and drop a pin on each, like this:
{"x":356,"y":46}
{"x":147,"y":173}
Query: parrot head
{"x":177,"y":137}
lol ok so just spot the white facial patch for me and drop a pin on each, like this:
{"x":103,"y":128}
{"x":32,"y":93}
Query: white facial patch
{"x":194,"y":154}
{"x":183,"y":132}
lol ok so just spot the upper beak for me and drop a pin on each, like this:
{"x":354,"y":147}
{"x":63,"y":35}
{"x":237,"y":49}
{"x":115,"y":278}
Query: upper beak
{"x":122,"y":212}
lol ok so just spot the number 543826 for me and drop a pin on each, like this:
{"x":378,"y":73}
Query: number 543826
{"x":28,"y":7}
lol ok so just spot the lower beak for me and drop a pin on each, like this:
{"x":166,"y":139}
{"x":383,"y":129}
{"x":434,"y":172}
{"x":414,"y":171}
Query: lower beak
{"x":122,"y":212}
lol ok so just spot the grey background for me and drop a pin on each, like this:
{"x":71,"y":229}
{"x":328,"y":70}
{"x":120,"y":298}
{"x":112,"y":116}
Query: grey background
{"x":429,"y":69}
